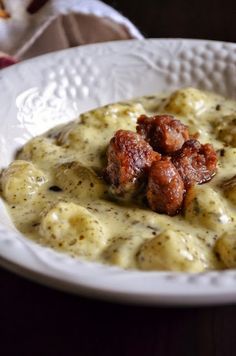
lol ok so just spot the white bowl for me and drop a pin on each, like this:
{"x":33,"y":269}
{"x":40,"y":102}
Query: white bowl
{"x":40,"y":93}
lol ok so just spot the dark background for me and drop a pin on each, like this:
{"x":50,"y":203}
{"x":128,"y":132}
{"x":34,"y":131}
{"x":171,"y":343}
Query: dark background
{"x":35,"y":320}
{"x":206,"y":19}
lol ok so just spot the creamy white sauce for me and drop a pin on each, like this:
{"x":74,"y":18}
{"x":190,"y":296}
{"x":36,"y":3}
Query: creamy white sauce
{"x":56,"y":196}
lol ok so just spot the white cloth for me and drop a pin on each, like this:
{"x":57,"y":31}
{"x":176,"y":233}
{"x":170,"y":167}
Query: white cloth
{"x":60,"y":24}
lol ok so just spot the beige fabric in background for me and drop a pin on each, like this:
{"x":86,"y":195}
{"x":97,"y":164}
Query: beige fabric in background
{"x":59,"y":24}
{"x":73,"y":30}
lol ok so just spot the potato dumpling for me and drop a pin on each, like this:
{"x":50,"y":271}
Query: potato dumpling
{"x":174,"y":251}
{"x":226,"y":249}
{"x":72,"y":228}
{"x":99,"y":125}
{"x":120,"y":115}
{"x":227,"y":159}
{"x":21,"y":181}
{"x":89,"y":143}
{"x":121,"y":251}
{"x":41,"y":150}
{"x":188,"y":101}
{"x":226,"y":175}
{"x":80,"y":181}
{"x":204,"y":206}
{"x":226,"y":130}
{"x":90,"y":135}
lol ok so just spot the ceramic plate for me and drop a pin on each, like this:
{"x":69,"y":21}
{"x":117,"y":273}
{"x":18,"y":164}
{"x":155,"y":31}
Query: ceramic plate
{"x":43,"y":92}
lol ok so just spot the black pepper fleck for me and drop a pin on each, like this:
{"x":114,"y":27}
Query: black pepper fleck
{"x":55,"y":188}
{"x":222,"y":152}
{"x":35,"y":224}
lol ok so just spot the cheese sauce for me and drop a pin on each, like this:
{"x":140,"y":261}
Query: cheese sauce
{"x":56,"y":195}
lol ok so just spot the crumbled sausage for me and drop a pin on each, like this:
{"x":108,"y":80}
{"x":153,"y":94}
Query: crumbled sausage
{"x":165,"y":191}
{"x":129,"y":158}
{"x":134,"y":160}
{"x":163,"y":132}
{"x":196,"y":163}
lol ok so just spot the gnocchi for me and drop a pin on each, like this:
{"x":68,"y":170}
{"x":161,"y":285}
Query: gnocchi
{"x":72,"y":228}
{"x":203,"y":205}
{"x":187,"y":102}
{"x":226,"y":249}
{"x":79,"y":181}
{"x":176,"y":251}
{"x":57,"y":189}
{"x":226,"y":130}
{"x":21,"y":181}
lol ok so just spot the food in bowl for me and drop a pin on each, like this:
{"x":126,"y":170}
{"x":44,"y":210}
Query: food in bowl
{"x":71,"y":188}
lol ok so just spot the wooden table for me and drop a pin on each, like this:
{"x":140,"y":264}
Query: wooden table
{"x":36,"y":320}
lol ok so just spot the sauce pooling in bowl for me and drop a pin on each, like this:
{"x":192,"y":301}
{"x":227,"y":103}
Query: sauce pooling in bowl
{"x":57,"y":196}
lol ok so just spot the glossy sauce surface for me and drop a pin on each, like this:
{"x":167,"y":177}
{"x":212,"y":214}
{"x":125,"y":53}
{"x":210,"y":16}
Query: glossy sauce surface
{"x":56,"y":195}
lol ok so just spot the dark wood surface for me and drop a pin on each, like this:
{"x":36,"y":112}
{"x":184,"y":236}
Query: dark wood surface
{"x":36,"y":320}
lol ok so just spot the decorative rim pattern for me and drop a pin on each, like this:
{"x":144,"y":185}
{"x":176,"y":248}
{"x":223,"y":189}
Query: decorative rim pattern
{"x":55,"y":88}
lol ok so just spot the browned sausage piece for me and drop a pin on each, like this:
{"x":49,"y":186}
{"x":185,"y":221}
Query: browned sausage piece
{"x":165,"y":191}
{"x":164,"y":133}
{"x":195,"y":163}
{"x":129,"y":158}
